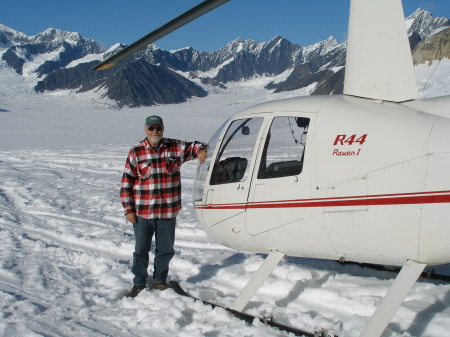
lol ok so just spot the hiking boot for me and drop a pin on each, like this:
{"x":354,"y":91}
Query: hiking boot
{"x":136,"y":290}
{"x":160,"y":286}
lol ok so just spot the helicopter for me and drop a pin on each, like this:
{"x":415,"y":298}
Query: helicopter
{"x":358,"y":177}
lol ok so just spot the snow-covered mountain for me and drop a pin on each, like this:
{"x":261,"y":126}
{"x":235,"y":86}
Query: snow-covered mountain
{"x":63,"y":60}
{"x":41,"y":54}
{"x":421,"y":24}
{"x":240,"y":60}
{"x":244,"y":59}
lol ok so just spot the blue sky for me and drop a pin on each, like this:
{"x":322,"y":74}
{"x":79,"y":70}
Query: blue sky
{"x":300,"y":21}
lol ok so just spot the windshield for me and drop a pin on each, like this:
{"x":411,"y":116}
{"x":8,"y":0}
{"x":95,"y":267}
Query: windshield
{"x":234,"y":157}
{"x":202,"y":169}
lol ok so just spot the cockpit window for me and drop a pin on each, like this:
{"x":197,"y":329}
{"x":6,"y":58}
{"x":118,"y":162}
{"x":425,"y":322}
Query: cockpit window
{"x":235,"y":153}
{"x":202,"y":170}
{"x":284,"y":148}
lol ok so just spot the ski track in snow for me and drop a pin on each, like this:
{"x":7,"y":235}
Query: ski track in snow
{"x":66,"y":248}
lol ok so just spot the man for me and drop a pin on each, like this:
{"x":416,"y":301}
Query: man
{"x":151,"y":196}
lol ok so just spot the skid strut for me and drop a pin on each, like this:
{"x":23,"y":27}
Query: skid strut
{"x":403,"y":283}
{"x":257,"y":280}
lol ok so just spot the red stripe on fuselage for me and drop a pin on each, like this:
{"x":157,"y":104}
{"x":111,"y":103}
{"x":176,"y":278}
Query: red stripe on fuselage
{"x":382,"y":199}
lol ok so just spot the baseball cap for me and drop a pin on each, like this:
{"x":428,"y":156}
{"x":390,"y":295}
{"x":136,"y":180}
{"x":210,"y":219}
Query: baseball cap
{"x":152,"y":120}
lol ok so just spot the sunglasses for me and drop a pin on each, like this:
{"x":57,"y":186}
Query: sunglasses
{"x":157,"y":128}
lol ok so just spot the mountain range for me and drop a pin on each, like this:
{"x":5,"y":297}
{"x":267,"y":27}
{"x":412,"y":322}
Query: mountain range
{"x":59,"y":60}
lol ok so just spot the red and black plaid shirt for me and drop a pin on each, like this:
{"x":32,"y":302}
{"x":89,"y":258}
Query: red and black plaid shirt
{"x":151,"y":181}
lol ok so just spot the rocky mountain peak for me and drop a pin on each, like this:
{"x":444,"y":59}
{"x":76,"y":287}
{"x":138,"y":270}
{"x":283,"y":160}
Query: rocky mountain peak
{"x":320,"y":49}
{"x":9,"y":36}
{"x":240,"y":44}
{"x":50,"y":36}
{"x":276,"y":42}
{"x":423,"y":23}
{"x":6,"y":29}
{"x":23,"y":52}
{"x":55,"y":35}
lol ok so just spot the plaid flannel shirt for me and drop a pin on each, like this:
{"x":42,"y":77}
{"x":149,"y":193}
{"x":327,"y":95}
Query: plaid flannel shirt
{"x":151,"y":180}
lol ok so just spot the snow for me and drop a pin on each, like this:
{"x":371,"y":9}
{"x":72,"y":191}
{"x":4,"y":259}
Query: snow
{"x":438,"y":30}
{"x":4,"y":28}
{"x":36,"y":61}
{"x":336,"y":69}
{"x":433,"y":78}
{"x":85,"y":59}
{"x":323,"y":47}
{"x":410,"y":19}
{"x":18,"y":35}
{"x":65,"y":247}
{"x":210,"y":73}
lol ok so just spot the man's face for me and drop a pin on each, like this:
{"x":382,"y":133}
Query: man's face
{"x":154,"y":133}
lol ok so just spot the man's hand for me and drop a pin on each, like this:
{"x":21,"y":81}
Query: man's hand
{"x":201,"y":155}
{"x":131,"y":217}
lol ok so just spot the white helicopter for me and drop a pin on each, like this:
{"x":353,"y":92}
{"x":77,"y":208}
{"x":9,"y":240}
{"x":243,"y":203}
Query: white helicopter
{"x":357,"y":177}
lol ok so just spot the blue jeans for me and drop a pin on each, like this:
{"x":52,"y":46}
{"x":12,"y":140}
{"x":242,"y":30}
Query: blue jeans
{"x":164,"y":230}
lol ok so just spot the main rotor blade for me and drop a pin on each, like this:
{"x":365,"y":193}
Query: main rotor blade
{"x":160,"y":32}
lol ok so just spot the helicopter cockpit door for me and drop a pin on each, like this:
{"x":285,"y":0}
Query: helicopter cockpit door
{"x":281,"y":182}
{"x":227,"y":190}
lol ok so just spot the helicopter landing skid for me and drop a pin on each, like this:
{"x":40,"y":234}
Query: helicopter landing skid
{"x":268,"y":320}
